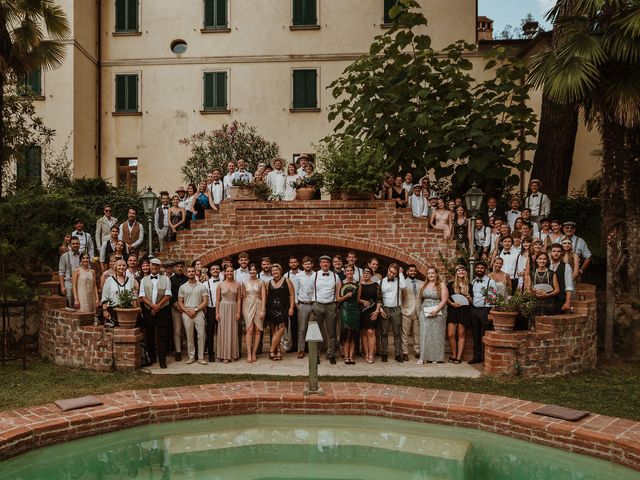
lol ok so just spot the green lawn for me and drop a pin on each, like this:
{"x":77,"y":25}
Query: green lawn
{"x":612,"y":389}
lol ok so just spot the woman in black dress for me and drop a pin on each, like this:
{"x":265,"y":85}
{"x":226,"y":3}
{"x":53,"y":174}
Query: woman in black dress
{"x":398,"y":193}
{"x":459,"y":316}
{"x":278,"y":308}
{"x":370,"y":300}
{"x":177,"y":216}
{"x":462,"y":229}
{"x":545,"y":296}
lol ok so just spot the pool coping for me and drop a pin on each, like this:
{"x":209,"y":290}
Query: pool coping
{"x":610,"y":438}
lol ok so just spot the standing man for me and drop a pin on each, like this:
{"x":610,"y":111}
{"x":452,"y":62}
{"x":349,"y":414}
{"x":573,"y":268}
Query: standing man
{"x":492,"y":210}
{"x":227,"y":181}
{"x":352,"y":258}
{"x":277,"y":179}
{"x":537,"y":202}
{"x":410,"y":308}
{"x":161,"y":218}
{"x":514,"y":212}
{"x":155,"y":297}
{"x":481,"y":238}
{"x":241,"y":274}
{"x":408,"y":182}
{"x":86,"y":243}
{"x":292,"y":274}
{"x":419,"y":204}
{"x":265,"y":275}
{"x":338,"y":263}
{"x":580,"y":247}
{"x":103,"y":226}
{"x":216,"y":187}
{"x":193,"y":300}
{"x":242,"y":173}
{"x":514,"y":264}
{"x":69,"y":261}
{"x":132,"y":232}
{"x":391,"y":287}
{"x":177,"y":280}
{"x":326,"y":287}
{"x":304,"y":300}
{"x":564,"y":273}
{"x":211,"y":323}
{"x":480,"y":309}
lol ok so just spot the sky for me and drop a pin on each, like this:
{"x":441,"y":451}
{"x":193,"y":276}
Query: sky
{"x":510,"y":12}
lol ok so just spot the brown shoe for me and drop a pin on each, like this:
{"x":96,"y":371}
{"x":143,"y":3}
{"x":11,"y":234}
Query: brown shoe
{"x":300,"y":354}
{"x":405,"y":357}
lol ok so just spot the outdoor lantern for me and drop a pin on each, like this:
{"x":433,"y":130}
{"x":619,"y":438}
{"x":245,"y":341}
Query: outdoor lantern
{"x":473,"y":199}
{"x":314,"y":336}
{"x":149,"y":203}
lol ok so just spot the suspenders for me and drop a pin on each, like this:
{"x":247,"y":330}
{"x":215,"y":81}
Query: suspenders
{"x":315,"y":286}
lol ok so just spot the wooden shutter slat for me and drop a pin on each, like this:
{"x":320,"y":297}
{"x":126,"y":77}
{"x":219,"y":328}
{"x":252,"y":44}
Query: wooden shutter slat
{"x":121,"y":15}
{"x":221,"y":13}
{"x":132,"y":15}
{"x":121,"y":93}
{"x":209,"y":13}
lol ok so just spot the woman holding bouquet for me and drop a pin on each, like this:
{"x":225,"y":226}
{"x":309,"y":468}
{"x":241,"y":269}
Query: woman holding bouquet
{"x":433,"y":318}
{"x":349,"y":314}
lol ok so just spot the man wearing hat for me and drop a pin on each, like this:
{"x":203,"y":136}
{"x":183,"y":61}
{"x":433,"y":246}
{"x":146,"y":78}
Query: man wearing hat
{"x":419,"y":205}
{"x":326,"y":288}
{"x":155,"y":297}
{"x":86,"y":243}
{"x":177,"y":280}
{"x":580,"y":247}
{"x":277,"y":179}
{"x":480,"y":307}
{"x":537,"y":202}
{"x":302,"y":161}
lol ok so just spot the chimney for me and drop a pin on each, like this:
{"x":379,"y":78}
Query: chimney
{"x":485,"y":28}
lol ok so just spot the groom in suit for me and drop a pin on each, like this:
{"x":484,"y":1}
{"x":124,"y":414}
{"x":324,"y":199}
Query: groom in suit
{"x":410,"y":309}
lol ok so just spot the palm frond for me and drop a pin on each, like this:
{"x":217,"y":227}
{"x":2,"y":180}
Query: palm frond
{"x":571,"y":81}
{"x":582,"y":45}
{"x":622,"y":38}
{"x":621,"y":93}
{"x":55,"y":21}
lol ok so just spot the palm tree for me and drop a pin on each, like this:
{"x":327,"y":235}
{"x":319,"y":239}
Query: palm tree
{"x":31,"y":34}
{"x":597,"y":65}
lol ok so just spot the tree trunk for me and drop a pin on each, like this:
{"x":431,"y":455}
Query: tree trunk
{"x":556,"y":141}
{"x":3,"y":148}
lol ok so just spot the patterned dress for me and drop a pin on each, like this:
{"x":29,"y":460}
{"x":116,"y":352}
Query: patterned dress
{"x":432,"y":328}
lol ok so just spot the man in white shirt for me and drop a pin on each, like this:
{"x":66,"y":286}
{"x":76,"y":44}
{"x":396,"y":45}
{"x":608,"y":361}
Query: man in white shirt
{"x":86,"y":243}
{"x":132,"y":231}
{"x":216,"y":187}
{"x":155,"y":295}
{"x":242,"y":173}
{"x":537,"y":202}
{"x":103,"y":226}
{"x":291,"y":275}
{"x":391,"y":287}
{"x":132,"y":267}
{"x":514,"y":212}
{"x":211,"y":325}
{"x":161,"y":218}
{"x":277,"y":178}
{"x":304,"y":300}
{"x":227,"y":181}
{"x":408,"y":182}
{"x":419,"y":204}
{"x":545,"y":230}
{"x":564,"y":274}
{"x":302,"y":160}
{"x":352,"y":258}
{"x":192,"y":301}
{"x":481,"y":284}
{"x":514,"y":264}
{"x":481,"y":238}
{"x":580,"y":247}
{"x":326,"y":286}
{"x":241,"y":274}
{"x":265,"y":274}
{"x":410,"y":308}
{"x":525,"y":215}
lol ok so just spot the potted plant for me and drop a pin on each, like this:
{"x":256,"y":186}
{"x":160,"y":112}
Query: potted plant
{"x":126,"y":311}
{"x":306,"y":186}
{"x":352,"y":167}
{"x":506,"y":308}
{"x":242,"y":190}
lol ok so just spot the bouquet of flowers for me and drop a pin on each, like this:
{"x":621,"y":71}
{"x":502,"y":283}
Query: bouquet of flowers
{"x":348,"y":288}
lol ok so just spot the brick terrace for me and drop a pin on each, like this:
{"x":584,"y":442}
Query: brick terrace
{"x":614,"y":439}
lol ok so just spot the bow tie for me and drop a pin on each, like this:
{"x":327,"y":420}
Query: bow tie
{"x":214,"y":280}
{"x":535,"y":195}
{"x":154,"y":277}
{"x":325,"y":274}
{"x":216,"y":183}
{"x":507,"y":253}
{"x":165,"y":208}
{"x":391,"y":279}
{"x":413,"y":281}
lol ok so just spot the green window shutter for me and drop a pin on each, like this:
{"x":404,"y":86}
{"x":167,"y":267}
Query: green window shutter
{"x":310,"y":13}
{"x":305,"y":89}
{"x":298,"y":12}
{"x":221,"y":90}
{"x":221,"y":13}
{"x":121,"y":93}
{"x":29,"y":167}
{"x":33,"y":82}
{"x":215,"y":91}
{"x":121,"y":15}
{"x":215,"y":13}
{"x":132,"y":93}
{"x":209,"y":91}
{"x":388,"y":5}
{"x":209,"y":13}
{"x":132,"y":15}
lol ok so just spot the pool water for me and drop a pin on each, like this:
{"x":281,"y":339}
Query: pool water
{"x":318,"y":447}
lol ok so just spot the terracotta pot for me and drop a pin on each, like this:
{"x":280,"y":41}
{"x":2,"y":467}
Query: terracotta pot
{"x":503,"y":321}
{"x":127,"y":317}
{"x":242,"y":193}
{"x":306,"y":193}
{"x":356,"y":195}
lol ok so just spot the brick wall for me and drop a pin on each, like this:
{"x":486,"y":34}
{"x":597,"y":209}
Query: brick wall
{"x":376,"y":227}
{"x":560,"y":344}
{"x":69,"y":338}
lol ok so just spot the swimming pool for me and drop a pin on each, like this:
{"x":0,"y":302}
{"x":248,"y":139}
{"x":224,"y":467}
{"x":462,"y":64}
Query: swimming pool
{"x":272,"y":447}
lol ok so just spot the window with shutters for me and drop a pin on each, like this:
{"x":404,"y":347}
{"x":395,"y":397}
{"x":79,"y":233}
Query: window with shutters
{"x":127,"y":93}
{"x":305,"y":90}
{"x":29,"y":167}
{"x":216,"y":15}
{"x":214,"y":95}
{"x":33,"y":83}
{"x":305,"y":13}
{"x":387,"y":5}
{"x":127,"y":16}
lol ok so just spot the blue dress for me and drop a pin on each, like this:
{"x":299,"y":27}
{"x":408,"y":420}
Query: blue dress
{"x":202,"y":204}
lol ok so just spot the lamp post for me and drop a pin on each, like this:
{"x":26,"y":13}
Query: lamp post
{"x":314,"y":336}
{"x":149,"y":203}
{"x":473,"y":199}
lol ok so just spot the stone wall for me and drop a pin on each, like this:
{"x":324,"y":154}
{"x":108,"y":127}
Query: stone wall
{"x":559,"y":344}
{"x":69,"y":338}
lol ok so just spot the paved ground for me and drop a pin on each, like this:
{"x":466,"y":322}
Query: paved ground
{"x":290,"y":365}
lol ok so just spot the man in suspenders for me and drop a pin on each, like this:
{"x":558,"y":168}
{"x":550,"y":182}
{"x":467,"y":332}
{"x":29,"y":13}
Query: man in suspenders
{"x":480,"y":285}
{"x":326,"y":286}
{"x":391,"y":313}
{"x":564,"y":273}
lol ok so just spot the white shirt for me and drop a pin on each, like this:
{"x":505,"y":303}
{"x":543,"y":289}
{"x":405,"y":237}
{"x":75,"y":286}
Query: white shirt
{"x":391,"y":291}
{"x":513,"y":262}
{"x":154,"y":288}
{"x":112,"y":289}
{"x":265,"y":277}
{"x":276,"y":181}
{"x":539,"y":204}
{"x":227,"y":183}
{"x":419,"y":206}
{"x":240,"y":275}
{"x":407,"y":186}
{"x":325,"y":286}
{"x":482,"y":237}
{"x":244,"y":175}
{"x":291,"y":275}
{"x":129,"y":274}
{"x":580,"y":247}
{"x":140,"y":239}
{"x":479,"y":286}
{"x":511,"y":217}
{"x":212,"y":288}
{"x":306,"y":286}
{"x":217,"y":191}
{"x":568,"y":274}
{"x":302,"y":172}
{"x":165,"y":217}
{"x":86,"y":244}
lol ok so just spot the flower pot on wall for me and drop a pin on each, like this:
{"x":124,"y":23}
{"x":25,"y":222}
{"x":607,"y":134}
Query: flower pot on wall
{"x":503,"y":321}
{"x":127,"y":317}
{"x":306,"y":193}
{"x":242,"y":193}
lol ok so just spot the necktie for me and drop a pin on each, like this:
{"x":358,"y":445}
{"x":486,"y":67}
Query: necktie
{"x":415,"y":288}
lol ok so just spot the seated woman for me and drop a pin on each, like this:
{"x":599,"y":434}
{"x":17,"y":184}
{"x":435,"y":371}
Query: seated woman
{"x":202,"y":201}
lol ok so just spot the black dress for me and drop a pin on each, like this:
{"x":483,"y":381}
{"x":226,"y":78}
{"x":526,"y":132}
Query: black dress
{"x":461,"y":234}
{"x":175,"y":218}
{"x":398,"y":196}
{"x":277,"y":313}
{"x":373,"y":295}
{"x":461,"y":315}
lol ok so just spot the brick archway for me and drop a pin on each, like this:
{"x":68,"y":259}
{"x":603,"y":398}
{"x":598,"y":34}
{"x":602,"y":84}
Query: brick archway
{"x":371,"y":226}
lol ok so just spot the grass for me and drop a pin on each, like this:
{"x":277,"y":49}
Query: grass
{"x":612,"y":389}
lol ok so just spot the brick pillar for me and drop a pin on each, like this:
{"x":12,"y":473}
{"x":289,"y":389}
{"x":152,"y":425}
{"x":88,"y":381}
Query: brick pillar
{"x":127,"y":348}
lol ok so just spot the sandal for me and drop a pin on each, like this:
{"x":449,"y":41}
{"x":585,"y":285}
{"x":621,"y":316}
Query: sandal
{"x":457,"y":361}
{"x":278,"y":356}
{"x":451,"y":360}
{"x":272,"y":356}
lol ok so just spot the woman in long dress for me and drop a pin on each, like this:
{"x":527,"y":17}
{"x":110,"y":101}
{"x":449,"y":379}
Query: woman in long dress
{"x":278,"y":308}
{"x":433,"y":318}
{"x":349,"y":314}
{"x":177,"y":217}
{"x":253,"y":292}
{"x":228,"y":300}
{"x":441,"y":219}
{"x":459,"y":314}
{"x":370,"y":300}
{"x":202,"y":201}
{"x":462,"y":229}
{"x":85,"y":291}
{"x":292,"y":175}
